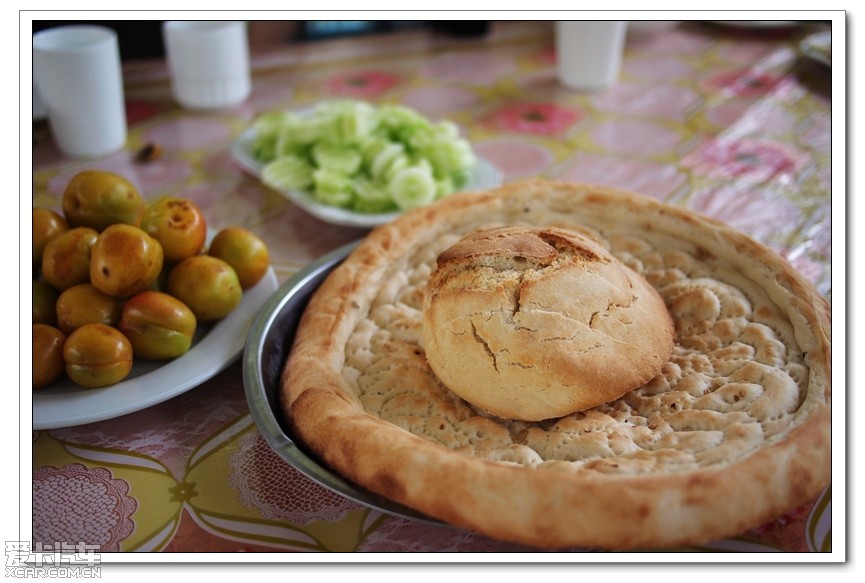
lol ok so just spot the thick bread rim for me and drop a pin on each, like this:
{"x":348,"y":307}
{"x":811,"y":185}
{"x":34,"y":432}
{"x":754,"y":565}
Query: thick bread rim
{"x":543,"y":508}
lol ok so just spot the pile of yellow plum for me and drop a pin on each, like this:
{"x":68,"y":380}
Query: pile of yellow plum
{"x":118,"y":278}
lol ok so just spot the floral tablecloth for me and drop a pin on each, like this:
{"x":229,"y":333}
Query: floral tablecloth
{"x":729,"y":121}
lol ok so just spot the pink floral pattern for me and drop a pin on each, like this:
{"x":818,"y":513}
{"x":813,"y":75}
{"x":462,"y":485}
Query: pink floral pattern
{"x":635,"y":137}
{"x":515,"y":158}
{"x":364,"y":83}
{"x":761,"y":212}
{"x":75,"y":504}
{"x":437,"y":102}
{"x":651,"y":179}
{"x":706,"y":117}
{"x":727,"y":113}
{"x":661,"y":101}
{"x":267,"y":95}
{"x":754,"y":160}
{"x":763,"y":118}
{"x":817,"y":234}
{"x":189,"y":133}
{"x":816,"y":132}
{"x":147,"y":177}
{"x":233,"y":202}
{"x":170,"y":431}
{"x":653,"y":68}
{"x":266,"y":482}
{"x":676,"y":42}
{"x":534,"y":118}
{"x":468,"y":68}
{"x":745,"y":83}
{"x":401,"y":535}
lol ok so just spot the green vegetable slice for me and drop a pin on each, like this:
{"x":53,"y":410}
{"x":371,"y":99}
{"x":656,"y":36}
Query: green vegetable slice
{"x":288,"y":173}
{"x":412,"y":187}
{"x":351,"y":154}
{"x":337,"y":157}
{"x":332,"y":188}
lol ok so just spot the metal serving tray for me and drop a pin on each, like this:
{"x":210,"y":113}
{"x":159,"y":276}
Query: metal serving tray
{"x":268,"y":344}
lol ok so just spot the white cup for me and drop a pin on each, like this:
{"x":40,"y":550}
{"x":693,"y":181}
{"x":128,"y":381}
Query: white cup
{"x":589,"y":53}
{"x":208,"y":62}
{"x":39,"y":111}
{"x":77,"y":74}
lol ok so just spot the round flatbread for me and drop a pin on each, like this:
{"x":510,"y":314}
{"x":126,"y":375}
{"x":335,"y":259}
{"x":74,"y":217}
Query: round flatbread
{"x":732,"y":432}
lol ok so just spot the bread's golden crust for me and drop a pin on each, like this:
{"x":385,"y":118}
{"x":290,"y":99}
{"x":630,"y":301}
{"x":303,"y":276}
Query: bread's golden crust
{"x":533,"y":323}
{"x":734,"y":431}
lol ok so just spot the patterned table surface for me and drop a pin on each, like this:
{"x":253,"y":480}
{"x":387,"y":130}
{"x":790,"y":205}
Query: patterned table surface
{"x":732,"y":122}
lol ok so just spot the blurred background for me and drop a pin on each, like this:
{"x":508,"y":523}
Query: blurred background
{"x":142,"y":39}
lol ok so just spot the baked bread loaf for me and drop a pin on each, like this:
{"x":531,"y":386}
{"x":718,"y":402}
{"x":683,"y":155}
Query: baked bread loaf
{"x":734,"y":431}
{"x":532,"y":323}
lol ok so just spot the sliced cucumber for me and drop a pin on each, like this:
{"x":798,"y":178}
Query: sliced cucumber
{"x":351,"y":154}
{"x":412,"y":187}
{"x":288,"y":173}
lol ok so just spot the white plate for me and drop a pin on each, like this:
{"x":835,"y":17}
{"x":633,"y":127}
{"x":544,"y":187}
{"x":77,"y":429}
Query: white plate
{"x":483,"y":175}
{"x":216,"y":346}
{"x":818,"y":46}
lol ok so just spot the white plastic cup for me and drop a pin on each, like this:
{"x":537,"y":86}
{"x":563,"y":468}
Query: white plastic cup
{"x":589,"y":53}
{"x":78,"y":77}
{"x":208,"y":62}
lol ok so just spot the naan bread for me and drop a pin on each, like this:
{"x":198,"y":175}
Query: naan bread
{"x":733,"y":431}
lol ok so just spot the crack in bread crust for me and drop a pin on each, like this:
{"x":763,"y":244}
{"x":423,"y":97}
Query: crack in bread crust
{"x":733,"y":430}
{"x":558,"y":324}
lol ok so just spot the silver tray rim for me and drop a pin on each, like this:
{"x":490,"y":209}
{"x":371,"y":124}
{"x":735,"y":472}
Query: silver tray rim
{"x":267,"y":347}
